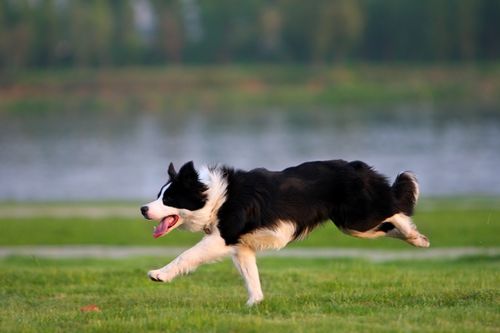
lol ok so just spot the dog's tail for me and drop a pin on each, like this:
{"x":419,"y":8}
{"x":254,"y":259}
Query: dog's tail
{"x":405,"y":191}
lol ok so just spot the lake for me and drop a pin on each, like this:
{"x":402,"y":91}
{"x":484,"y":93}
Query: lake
{"x":77,"y":155}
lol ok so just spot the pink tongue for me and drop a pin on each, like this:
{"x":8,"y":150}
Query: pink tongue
{"x":163,"y":226}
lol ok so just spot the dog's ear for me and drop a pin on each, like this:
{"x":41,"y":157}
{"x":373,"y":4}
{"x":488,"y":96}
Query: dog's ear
{"x":188,"y":173}
{"x":171,"y":171}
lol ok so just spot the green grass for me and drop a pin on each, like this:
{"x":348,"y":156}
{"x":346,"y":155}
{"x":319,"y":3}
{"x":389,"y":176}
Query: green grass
{"x":302,"y":295}
{"x":245,"y":87}
{"x":446,"y":224}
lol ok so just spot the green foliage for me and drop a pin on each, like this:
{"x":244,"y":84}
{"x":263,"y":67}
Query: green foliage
{"x":302,"y":295}
{"x":448,"y":223}
{"x":125,"y":32}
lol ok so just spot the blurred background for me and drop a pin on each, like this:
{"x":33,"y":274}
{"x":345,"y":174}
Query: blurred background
{"x":98,"y":96}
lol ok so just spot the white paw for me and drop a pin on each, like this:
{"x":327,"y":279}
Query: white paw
{"x":159,"y":275}
{"x":420,"y":241}
{"x":255,"y":300}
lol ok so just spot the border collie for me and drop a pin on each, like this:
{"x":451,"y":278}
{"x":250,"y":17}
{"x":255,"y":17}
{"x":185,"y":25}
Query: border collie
{"x":242,"y":212}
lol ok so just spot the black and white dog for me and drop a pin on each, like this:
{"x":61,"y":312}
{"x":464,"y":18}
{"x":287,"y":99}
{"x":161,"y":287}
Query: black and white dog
{"x":242,"y":212}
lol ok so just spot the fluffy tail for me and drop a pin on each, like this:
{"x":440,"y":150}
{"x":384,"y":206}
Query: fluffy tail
{"x":405,"y":191}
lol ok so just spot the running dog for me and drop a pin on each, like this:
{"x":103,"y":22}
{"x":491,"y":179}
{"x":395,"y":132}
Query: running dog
{"x":242,"y":212}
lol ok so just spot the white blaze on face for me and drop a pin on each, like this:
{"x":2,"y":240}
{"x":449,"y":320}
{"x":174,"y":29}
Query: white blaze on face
{"x":167,"y":216}
{"x":156,"y":209}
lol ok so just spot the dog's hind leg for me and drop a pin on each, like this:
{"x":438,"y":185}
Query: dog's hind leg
{"x":405,"y":229}
{"x":369,"y":234}
{"x":245,"y":261}
{"x":397,"y":226}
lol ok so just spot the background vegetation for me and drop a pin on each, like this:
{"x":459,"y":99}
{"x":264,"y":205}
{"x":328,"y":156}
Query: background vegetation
{"x":63,"y":33}
{"x":254,"y":87}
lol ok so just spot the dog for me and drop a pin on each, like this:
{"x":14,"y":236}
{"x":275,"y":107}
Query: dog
{"x":243,"y":212}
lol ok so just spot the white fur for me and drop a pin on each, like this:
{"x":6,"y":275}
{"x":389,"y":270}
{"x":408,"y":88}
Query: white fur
{"x":212,"y":247}
{"x":373,"y":233}
{"x":276,"y":238}
{"x":206,"y":217}
{"x":157,"y":210}
{"x":409,"y":232}
{"x":246,"y":263}
{"x":415,"y":183}
{"x":404,"y":229}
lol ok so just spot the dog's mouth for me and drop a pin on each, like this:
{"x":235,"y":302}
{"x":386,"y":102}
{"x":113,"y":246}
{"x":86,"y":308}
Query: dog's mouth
{"x":166,"y":223}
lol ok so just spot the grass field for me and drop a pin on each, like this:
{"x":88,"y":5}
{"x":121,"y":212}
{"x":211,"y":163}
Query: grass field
{"x":302,"y":295}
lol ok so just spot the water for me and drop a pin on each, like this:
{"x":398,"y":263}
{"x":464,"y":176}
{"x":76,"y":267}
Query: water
{"x":91,"y":155}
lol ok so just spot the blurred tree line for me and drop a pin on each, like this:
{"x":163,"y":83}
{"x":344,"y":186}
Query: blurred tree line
{"x":65,"y":33}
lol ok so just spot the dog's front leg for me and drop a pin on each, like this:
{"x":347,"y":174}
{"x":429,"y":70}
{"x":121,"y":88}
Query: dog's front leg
{"x":210,"y":248}
{"x":245,"y":261}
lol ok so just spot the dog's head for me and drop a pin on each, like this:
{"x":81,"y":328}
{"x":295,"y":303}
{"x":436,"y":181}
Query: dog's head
{"x":183,"y":194}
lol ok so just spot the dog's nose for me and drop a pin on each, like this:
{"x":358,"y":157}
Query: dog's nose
{"x":144,"y":211}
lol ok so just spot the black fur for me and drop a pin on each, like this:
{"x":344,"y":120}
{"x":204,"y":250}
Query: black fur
{"x":185,"y":190}
{"x":404,"y":190}
{"x":351,"y":194}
